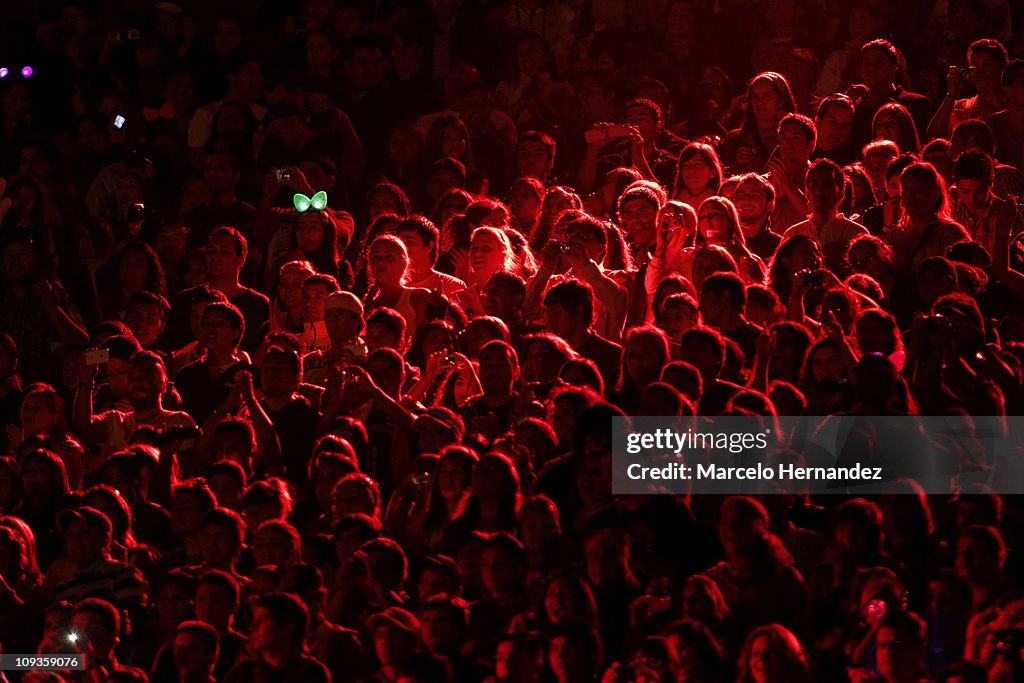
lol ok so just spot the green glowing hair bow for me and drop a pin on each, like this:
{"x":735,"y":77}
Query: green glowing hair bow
{"x":317,"y":202}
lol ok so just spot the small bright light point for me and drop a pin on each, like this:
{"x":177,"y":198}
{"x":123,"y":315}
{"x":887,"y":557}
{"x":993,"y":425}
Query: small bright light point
{"x":26,"y":72}
{"x":4,"y":71}
{"x":72,"y":637}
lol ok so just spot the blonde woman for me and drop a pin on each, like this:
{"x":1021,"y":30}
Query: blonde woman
{"x":388,"y":269}
{"x":490,"y":252}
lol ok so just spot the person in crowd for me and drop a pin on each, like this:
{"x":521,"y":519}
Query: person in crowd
{"x":280,"y":623}
{"x":986,"y":59}
{"x":826,"y":185}
{"x":768,"y":99}
{"x":113,"y":429}
{"x":975,"y":205}
{"x":754,"y":198}
{"x":926,"y":228}
{"x":226,"y":253}
{"x":893,"y":122}
{"x":880,"y":66}
{"x":422,"y":241}
{"x":89,"y":571}
{"x":787,"y":169}
{"x":206,"y":383}
{"x":698,"y":176}
{"x":833,"y":123}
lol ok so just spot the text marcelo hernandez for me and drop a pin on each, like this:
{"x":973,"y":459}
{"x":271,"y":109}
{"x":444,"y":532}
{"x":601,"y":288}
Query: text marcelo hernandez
{"x":758,"y":472}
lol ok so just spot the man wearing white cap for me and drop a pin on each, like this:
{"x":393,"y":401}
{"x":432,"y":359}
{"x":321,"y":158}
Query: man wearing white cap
{"x":343,"y":318}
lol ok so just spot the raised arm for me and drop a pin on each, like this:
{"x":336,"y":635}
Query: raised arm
{"x":90,"y":427}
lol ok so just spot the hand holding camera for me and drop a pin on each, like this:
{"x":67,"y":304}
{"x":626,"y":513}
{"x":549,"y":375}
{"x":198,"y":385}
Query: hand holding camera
{"x":956,"y":77}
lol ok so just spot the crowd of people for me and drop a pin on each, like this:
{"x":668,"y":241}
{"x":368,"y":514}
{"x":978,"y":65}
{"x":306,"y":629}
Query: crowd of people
{"x":315,"y":318}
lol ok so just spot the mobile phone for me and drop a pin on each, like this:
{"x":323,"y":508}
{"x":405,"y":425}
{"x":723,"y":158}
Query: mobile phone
{"x":71,"y":637}
{"x":449,"y":361}
{"x":130,"y":34}
{"x":283,"y":175}
{"x":136,"y":213}
{"x":95,"y":357}
{"x":119,"y":122}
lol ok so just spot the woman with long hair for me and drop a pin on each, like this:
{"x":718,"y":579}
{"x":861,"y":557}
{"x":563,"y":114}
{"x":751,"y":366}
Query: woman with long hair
{"x":384,"y":224}
{"x":557,"y":200}
{"x":492,"y":503}
{"x":702,"y":658}
{"x":44,"y":487}
{"x":43,"y":415}
{"x":926,"y":228}
{"x":386,"y":198}
{"x":645,"y":352}
{"x":757,"y":577}
{"x":23,"y":598}
{"x":718,"y":227}
{"x":567,"y":596}
{"x":454,"y":202}
{"x":136,"y":267}
{"x":893,"y":122}
{"x":30,"y":578}
{"x":880,"y":389}
{"x":699,"y":174}
{"x":772,"y":654}
{"x":449,"y":488}
{"x":718,"y":222}
{"x":449,"y":137}
{"x":29,"y":211}
{"x":747,"y":148}
{"x":388,"y":268}
{"x":234,"y":127}
{"x":825,"y":378}
{"x":318,"y":237}
{"x":490,"y":252}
